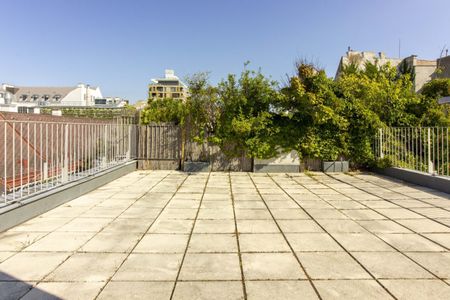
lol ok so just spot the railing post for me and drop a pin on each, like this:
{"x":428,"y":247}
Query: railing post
{"x":430,"y":162}
{"x":105,"y":145}
{"x":129,"y":143}
{"x":381,"y":143}
{"x":65,"y":168}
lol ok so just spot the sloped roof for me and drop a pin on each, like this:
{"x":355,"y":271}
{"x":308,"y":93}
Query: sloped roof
{"x":40,"y":91}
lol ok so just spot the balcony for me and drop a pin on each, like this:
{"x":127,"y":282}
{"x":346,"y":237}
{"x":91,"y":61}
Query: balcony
{"x":173,"y":235}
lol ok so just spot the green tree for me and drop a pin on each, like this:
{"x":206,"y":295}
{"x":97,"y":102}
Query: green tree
{"x":245,"y":120}
{"x":164,"y":110}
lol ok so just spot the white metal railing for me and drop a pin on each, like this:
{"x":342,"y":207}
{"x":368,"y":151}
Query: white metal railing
{"x":424,"y":149}
{"x":37,"y":156}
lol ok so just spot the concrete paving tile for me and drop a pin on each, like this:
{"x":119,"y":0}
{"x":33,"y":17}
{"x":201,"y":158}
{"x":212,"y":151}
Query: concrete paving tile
{"x":103,"y":212}
{"x":41,"y":224}
{"x":128,"y":225}
{"x":32,"y":266}
{"x":112,"y":242}
{"x":417,"y":289}
{"x":379,"y":204}
{"x":225,"y":204}
{"x":5,"y":255}
{"x":206,"y":290}
{"x":86,"y":224}
{"x":61,"y":241}
{"x":391,"y":265}
{"x":64,"y":290}
{"x":172,"y":226}
{"x":286,"y":204}
{"x":210,"y":266}
{"x":263,"y":242}
{"x":436,"y":262}
{"x":13,"y":290}
{"x":312,"y":242}
{"x":410,"y":242}
{"x":250,"y":204}
{"x":149,"y":267}
{"x":440,"y":238}
{"x":87,"y":267}
{"x":186,"y":204}
{"x":204,"y":243}
{"x":271,"y":266}
{"x":257,"y":226}
{"x":289,"y":214}
{"x":252,"y":214}
{"x":162,"y":243}
{"x":362,"y":214}
{"x":138,"y":212}
{"x":331,"y":265}
{"x":342,"y":226}
{"x":351,"y":290}
{"x":179,"y":213}
{"x":214,"y":226}
{"x":286,"y":290}
{"x":361,"y":242}
{"x":326,"y":214}
{"x":425,"y":226}
{"x":115,"y":203}
{"x":16,"y":241}
{"x":398,"y":213}
{"x":435,"y":213}
{"x":383,"y":226}
{"x":136,"y":290}
{"x":216,"y":213}
{"x":65,"y":211}
{"x":346,"y":204}
{"x":292,"y":226}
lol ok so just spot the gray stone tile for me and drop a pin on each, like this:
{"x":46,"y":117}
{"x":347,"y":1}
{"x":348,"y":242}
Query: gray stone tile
{"x":331,"y":265}
{"x":271,"y":266}
{"x":391,"y":265}
{"x":64,"y":290}
{"x":205,"y":290}
{"x":32,"y":266}
{"x":410,"y":242}
{"x":312,"y":242}
{"x":162,"y":243}
{"x":210,"y":243}
{"x":436,"y":262}
{"x":40,"y":224}
{"x":16,"y":241}
{"x":136,"y":290}
{"x":214,"y":226}
{"x":351,"y":289}
{"x":417,"y":289}
{"x":87,"y":267}
{"x":172,"y":226}
{"x":287,"y":290}
{"x":299,"y":226}
{"x":86,"y":224}
{"x":13,"y":290}
{"x":128,"y":225}
{"x":257,"y":226}
{"x":61,"y":241}
{"x":263,"y":242}
{"x":210,"y":267}
{"x":149,"y":267}
{"x":361,"y":242}
{"x":112,"y":242}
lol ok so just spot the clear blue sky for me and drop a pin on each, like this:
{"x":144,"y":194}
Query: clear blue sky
{"x":120,"y":45}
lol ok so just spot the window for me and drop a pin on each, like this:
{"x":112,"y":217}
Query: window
{"x":23,"y":97}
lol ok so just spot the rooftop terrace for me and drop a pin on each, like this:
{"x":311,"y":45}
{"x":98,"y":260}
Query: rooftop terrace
{"x":171,"y":235}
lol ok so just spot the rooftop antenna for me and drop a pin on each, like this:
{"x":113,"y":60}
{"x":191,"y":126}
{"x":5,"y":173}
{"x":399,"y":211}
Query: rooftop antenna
{"x":399,"y":48}
{"x":442,"y":51}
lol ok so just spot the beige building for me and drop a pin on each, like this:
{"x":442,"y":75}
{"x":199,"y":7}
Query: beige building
{"x":168,"y":87}
{"x":360,"y":58}
{"x":423,"y":70}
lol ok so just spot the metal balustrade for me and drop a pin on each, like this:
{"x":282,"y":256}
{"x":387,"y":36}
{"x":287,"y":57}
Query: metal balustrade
{"x":38,"y":156}
{"x":424,"y":149}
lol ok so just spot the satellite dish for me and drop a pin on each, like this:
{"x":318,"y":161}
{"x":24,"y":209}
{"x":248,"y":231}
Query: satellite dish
{"x":444,"y":100}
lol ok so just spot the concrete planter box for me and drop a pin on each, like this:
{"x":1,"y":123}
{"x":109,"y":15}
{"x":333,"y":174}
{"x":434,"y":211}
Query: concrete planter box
{"x":335,"y":166}
{"x":196,"y":166}
{"x":283,"y":163}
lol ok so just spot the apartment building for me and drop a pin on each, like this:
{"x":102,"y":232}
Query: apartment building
{"x":170,"y":86}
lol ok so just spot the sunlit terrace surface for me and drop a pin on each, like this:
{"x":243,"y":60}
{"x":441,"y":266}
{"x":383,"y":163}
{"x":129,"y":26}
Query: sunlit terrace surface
{"x":171,"y":235}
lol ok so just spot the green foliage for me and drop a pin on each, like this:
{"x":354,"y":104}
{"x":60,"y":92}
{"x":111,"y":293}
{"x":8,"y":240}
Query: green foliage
{"x":310,"y":118}
{"x":245,"y":122}
{"x":164,"y":110}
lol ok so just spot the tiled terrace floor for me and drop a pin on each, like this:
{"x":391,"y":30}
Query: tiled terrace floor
{"x":162,"y":235}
